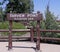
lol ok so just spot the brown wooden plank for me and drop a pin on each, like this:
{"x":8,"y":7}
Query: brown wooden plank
{"x":13,"y":37}
{"x":50,"y":38}
{"x":27,"y":30}
{"x":4,"y":30}
{"x":15,"y":30}
{"x":24,"y":16}
{"x":57,"y":31}
{"x":21,"y":30}
{"x":18,"y":37}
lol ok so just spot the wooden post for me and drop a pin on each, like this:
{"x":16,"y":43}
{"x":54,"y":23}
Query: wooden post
{"x":38,"y":37}
{"x":38,"y":34}
{"x":31,"y":34}
{"x":10,"y":35}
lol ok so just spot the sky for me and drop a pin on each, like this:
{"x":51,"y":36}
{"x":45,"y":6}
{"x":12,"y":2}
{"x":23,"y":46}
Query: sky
{"x":40,"y":5}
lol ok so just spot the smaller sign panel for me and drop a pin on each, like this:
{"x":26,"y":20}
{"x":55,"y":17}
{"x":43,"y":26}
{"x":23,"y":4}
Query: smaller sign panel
{"x":23,"y":17}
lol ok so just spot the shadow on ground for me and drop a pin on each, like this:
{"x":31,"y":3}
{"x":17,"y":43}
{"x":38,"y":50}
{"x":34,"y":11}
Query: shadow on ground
{"x":23,"y":47}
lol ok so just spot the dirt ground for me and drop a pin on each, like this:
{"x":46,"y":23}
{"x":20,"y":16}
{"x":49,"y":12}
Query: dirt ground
{"x":28,"y":47}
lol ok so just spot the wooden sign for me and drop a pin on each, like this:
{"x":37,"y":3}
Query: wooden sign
{"x":23,"y":17}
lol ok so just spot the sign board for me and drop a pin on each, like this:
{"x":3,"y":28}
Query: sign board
{"x":22,"y":17}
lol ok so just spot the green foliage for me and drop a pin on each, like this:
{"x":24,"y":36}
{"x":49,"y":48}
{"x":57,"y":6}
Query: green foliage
{"x":1,"y":14}
{"x":19,"y":6}
{"x":33,"y":23}
{"x":4,"y":25}
{"x":43,"y":27}
{"x":29,"y":6}
{"x":50,"y":23}
{"x":42,"y":24}
{"x":16,"y":25}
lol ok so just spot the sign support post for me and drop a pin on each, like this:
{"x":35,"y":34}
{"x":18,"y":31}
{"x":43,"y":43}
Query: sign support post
{"x":38,"y":37}
{"x":10,"y":35}
{"x":31,"y":34}
{"x":38,"y":32}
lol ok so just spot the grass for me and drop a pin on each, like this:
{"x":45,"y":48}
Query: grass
{"x":16,"y":25}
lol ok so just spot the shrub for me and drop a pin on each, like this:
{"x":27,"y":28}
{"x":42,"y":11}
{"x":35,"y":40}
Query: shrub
{"x":16,"y":25}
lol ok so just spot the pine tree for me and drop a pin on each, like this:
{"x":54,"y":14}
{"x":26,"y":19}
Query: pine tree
{"x":50,"y":23}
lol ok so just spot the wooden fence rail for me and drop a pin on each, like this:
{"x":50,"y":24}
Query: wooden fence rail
{"x":15,"y":30}
{"x":27,"y":30}
{"x":57,"y":31}
{"x":18,"y":37}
